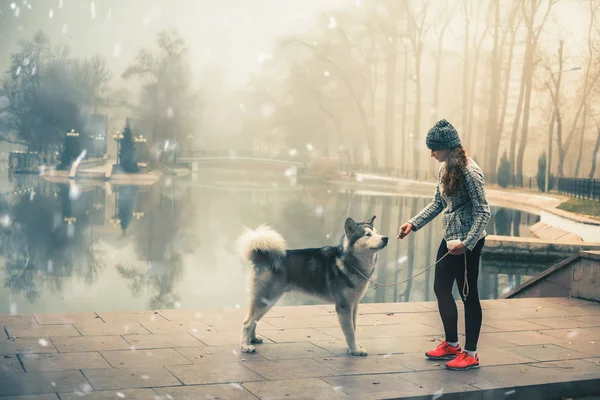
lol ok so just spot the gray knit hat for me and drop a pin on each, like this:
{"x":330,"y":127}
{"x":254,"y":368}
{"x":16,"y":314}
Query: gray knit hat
{"x":442,"y":136}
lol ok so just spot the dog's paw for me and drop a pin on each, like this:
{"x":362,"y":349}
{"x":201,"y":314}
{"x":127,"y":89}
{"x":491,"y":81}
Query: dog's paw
{"x":257,"y":340}
{"x":248,"y":348}
{"x":359,"y":351}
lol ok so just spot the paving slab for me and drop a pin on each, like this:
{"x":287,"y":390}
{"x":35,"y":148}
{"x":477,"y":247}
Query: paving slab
{"x":90,"y":343}
{"x":130,"y":394}
{"x":30,"y":383}
{"x":26,"y":345}
{"x":130,"y":378}
{"x":230,"y":391}
{"x":528,"y":348}
{"x":10,"y":363}
{"x":62,"y":361}
{"x":139,"y":358}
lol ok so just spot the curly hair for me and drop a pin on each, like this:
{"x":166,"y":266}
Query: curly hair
{"x":453,"y":172}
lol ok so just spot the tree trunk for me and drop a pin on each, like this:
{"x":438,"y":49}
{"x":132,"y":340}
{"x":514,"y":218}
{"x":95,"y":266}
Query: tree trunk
{"x":495,"y":139}
{"x":492,"y":122}
{"x":417,"y":122}
{"x":524,"y":132}
{"x":465,"y":105}
{"x":404,"y":113}
{"x":390,"y":103}
{"x":595,"y":156}
{"x":580,"y":153}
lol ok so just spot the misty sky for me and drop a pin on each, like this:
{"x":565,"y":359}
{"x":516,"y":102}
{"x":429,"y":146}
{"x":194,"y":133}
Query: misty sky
{"x":227,"y":33}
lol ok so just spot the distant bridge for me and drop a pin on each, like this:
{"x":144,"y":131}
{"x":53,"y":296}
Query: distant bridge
{"x":196,"y":158}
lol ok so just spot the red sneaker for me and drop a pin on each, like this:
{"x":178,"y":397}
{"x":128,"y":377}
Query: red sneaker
{"x":443,"y":352}
{"x":463,"y":362}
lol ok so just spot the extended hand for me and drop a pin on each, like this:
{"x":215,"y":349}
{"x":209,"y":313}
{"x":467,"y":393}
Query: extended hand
{"x":404,"y":230}
{"x":458,"y":250}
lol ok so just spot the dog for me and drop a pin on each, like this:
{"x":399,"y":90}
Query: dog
{"x":335,"y":274}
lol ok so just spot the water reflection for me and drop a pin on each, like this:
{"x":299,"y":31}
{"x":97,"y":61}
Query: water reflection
{"x":96,"y":246}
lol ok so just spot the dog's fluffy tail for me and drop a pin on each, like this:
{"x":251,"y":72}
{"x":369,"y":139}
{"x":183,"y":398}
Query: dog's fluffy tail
{"x":262,"y":245}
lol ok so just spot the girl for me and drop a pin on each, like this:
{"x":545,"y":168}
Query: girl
{"x":460,"y":194}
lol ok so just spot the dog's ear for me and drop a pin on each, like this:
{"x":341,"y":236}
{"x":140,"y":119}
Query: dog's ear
{"x":370,"y":222}
{"x":349,"y":226}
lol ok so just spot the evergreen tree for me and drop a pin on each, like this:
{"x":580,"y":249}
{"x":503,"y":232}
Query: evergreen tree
{"x":541,"y":174}
{"x":504,"y":171}
{"x":127,"y":152}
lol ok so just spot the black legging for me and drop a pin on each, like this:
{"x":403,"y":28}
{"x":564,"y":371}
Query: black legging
{"x":450,"y":269}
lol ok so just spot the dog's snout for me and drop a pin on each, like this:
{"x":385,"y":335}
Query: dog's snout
{"x":385,"y":239}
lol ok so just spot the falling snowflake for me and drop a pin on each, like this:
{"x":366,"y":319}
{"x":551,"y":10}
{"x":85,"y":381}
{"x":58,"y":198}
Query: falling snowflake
{"x":438,"y":394}
{"x":17,"y":12}
{"x":359,"y":178}
{"x":572,"y":334}
{"x":177,"y":304}
{"x":109,"y":14}
{"x":293,"y":152}
{"x":402,"y":259}
{"x":117,"y":50}
{"x":5,"y":221}
{"x":93,"y":9}
{"x":12,"y":308}
{"x":289,"y":172}
{"x":170,"y":112}
{"x":13,"y":6}
{"x":43,"y":342}
{"x":508,"y":393}
{"x":50,"y":266}
{"x":50,"y":14}
{"x":328,"y":235}
{"x":33,"y":70}
{"x":326,"y":73}
{"x":267,"y":110}
{"x":319,"y":211}
{"x":237,"y":306}
{"x":65,"y":29}
{"x":60,"y":3}
{"x":18,"y":70}
{"x":70,"y":230}
{"x":309,"y":147}
{"x":120,"y":395}
{"x":261,"y":57}
{"x":332,"y":23}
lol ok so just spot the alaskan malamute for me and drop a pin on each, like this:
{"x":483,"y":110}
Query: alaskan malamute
{"x":334,"y":274}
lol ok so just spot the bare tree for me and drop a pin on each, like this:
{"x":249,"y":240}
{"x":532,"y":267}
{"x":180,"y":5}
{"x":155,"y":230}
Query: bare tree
{"x":159,"y":71}
{"x":479,"y":37}
{"x":93,"y":77}
{"x":594,"y":7}
{"x":533,"y":34}
{"x":592,"y":173}
{"x":417,"y":34}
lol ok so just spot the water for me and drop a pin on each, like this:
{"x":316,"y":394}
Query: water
{"x":103,"y":247}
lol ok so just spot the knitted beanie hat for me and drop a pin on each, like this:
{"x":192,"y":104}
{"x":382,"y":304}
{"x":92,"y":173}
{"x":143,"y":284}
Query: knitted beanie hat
{"x":442,"y":136}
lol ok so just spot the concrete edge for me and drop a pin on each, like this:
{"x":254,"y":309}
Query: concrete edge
{"x":564,"y":263}
{"x":572,"y":216}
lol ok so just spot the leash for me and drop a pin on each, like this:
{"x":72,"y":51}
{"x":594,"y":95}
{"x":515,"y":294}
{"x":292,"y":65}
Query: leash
{"x":375,"y":285}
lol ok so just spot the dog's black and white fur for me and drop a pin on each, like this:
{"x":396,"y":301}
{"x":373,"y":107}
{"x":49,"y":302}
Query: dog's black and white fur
{"x":330,"y":273}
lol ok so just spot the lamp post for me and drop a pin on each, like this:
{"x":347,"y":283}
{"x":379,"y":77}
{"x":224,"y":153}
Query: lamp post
{"x":117,"y":137}
{"x":551,"y":131}
{"x":142,"y":140}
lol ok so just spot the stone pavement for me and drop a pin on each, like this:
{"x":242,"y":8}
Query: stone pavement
{"x":529,"y":348}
